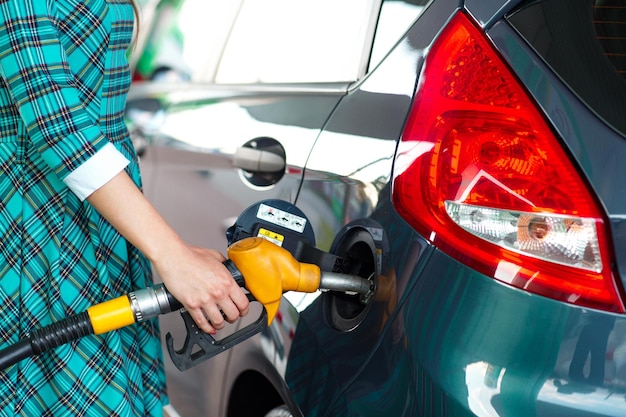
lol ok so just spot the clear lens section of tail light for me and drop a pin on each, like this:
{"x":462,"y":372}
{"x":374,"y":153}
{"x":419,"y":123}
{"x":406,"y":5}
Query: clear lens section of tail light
{"x":481,"y":174}
{"x":566,"y":240}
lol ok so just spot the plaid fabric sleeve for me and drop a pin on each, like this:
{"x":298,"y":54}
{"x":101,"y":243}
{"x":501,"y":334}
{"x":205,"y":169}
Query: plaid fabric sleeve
{"x":51,"y":100}
{"x":97,"y":171}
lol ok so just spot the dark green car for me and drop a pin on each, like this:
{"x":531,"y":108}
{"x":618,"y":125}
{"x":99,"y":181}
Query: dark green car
{"x":467,"y":155}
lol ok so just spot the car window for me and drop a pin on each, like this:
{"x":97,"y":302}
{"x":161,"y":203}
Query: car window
{"x":288,"y":41}
{"x":584,"y":43}
{"x":395,"y":19}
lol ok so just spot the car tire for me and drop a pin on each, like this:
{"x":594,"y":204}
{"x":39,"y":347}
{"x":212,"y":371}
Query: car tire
{"x":281,"y":411}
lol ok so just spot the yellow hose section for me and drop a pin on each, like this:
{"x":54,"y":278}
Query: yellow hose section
{"x":111,"y":315}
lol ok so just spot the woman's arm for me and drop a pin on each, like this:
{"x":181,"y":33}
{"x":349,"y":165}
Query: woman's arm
{"x":195,"y":276}
{"x":35,"y":68}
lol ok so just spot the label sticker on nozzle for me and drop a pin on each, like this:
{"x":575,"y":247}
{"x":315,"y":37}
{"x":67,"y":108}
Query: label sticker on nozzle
{"x":281,"y":218}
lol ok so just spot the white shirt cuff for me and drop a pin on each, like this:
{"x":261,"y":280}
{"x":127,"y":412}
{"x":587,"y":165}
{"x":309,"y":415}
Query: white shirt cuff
{"x":96,"y":171}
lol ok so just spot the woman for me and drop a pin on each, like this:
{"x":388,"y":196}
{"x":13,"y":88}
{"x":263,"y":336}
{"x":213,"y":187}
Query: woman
{"x":75,"y":228}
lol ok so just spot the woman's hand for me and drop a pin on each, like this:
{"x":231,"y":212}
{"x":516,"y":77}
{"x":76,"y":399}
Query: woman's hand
{"x":195,"y":276}
{"x":198,"y":279}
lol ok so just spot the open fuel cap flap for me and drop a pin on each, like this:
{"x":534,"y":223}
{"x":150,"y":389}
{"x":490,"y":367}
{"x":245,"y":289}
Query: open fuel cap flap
{"x":363,"y":247}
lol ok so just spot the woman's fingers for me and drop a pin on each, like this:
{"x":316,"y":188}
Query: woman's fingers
{"x":201,"y":320}
{"x":200,"y":281}
{"x":213,"y":317}
{"x":230,"y":312}
{"x":240,"y":301}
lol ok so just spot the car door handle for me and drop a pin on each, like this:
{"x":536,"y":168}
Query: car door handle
{"x":258,"y":161}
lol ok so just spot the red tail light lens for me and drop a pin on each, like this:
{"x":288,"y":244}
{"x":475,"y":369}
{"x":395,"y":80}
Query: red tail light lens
{"x":481,"y":174}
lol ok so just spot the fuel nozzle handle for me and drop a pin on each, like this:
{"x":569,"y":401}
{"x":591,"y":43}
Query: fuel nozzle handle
{"x":148,"y":303}
{"x":141,"y":305}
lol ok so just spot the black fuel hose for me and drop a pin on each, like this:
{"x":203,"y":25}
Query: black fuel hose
{"x":49,"y":337}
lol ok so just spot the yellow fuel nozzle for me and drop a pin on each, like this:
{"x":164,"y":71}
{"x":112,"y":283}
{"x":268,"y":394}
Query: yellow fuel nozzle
{"x":270,"y":270}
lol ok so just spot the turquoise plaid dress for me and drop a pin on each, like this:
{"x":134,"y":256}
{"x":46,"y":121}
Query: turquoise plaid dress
{"x":63,"y":84}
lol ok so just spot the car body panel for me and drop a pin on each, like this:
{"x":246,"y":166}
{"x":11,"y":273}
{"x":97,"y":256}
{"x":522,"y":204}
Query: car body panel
{"x":459,"y":343}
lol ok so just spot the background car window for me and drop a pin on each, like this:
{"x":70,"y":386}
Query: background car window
{"x":396,"y":17}
{"x":268,"y":41}
{"x":289,"y":41}
{"x":185,"y":39}
{"x":584,"y":43}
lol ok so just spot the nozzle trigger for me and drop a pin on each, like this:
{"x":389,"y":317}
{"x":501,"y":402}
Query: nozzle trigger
{"x":200,"y":346}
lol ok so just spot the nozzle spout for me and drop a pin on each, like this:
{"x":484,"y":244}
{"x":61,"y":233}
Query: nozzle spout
{"x":348,"y":283}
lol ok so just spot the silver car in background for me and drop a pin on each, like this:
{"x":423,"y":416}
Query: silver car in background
{"x":215,"y":81}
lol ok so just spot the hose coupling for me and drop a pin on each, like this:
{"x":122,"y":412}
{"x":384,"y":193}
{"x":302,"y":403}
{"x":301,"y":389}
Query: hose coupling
{"x":148,"y":303}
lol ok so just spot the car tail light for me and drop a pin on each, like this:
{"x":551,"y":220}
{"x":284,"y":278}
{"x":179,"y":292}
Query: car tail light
{"x":481,"y":174}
